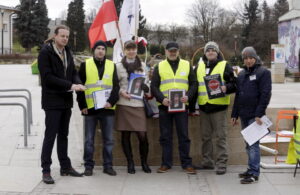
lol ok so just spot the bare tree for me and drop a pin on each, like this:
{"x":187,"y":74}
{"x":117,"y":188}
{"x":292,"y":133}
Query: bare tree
{"x":160,"y":33}
{"x":177,"y":32}
{"x":63,"y":14}
{"x":89,"y":18}
{"x":224,"y":24}
{"x":203,"y":15}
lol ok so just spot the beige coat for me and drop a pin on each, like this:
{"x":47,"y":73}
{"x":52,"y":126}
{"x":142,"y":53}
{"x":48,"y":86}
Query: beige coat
{"x":123,"y":81}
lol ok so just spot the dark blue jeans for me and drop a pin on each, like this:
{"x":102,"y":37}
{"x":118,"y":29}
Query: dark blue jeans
{"x":166,"y":137}
{"x":106,"y":122}
{"x":252,"y":151}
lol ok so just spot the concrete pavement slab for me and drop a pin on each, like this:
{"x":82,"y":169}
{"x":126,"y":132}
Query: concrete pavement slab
{"x":19,"y":179}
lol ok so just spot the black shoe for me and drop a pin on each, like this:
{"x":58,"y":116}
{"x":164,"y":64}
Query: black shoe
{"x":110,"y":171}
{"x":47,"y":179}
{"x":146,"y":168}
{"x":130,"y":168}
{"x":249,"y":179}
{"x":204,"y":167}
{"x":221,"y":170}
{"x":70,"y":172}
{"x":88,"y":172}
{"x":245,"y":174}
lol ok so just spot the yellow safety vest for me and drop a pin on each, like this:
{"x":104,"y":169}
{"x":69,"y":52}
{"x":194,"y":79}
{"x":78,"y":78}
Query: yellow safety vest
{"x":169,"y":80}
{"x":297,"y":137}
{"x":92,"y":82}
{"x":202,"y":93}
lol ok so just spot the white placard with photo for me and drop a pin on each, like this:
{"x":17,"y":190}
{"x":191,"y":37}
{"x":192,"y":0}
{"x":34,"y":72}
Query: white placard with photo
{"x":175,"y":96}
{"x":100,"y":98}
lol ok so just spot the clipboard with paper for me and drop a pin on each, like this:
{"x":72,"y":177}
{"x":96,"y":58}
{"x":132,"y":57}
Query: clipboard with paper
{"x":100,"y":98}
{"x":255,"y":132}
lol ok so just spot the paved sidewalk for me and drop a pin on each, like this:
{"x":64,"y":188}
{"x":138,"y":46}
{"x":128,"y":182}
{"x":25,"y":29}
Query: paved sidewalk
{"x":20,"y":171}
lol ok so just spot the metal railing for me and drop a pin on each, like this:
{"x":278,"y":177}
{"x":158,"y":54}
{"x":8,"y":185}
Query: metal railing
{"x":27,"y":110}
{"x":29,"y":97}
{"x":25,"y":119}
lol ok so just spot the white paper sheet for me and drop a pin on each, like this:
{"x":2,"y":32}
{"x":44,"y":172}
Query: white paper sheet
{"x":100,"y":98}
{"x":255,"y":132}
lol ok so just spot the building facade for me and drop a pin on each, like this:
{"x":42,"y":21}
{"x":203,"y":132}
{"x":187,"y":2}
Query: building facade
{"x":289,"y":35}
{"x":6,"y":29}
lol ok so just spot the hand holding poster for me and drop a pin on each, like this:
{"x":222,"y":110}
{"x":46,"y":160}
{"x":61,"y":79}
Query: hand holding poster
{"x":213,"y":85}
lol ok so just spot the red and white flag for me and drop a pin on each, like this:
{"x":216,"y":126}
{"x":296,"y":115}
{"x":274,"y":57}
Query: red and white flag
{"x":104,"y":26}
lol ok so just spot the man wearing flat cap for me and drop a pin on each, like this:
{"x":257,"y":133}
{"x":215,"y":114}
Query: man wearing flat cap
{"x":254,"y":86}
{"x":213,"y":112}
{"x":173,"y":73}
{"x":98,"y":73}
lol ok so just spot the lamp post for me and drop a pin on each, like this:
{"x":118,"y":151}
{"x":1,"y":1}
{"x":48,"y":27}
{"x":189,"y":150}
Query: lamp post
{"x":2,"y":29}
{"x":75,"y":33}
{"x":235,"y":48}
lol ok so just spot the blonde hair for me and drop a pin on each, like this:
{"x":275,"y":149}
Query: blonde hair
{"x":56,"y":32}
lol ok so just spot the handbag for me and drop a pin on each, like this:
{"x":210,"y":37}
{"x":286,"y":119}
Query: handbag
{"x":148,"y":110}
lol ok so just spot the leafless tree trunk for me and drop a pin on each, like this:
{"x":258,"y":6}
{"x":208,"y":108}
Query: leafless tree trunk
{"x":203,"y":15}
{"x":177,"y":32}
{"x":160,"y":33}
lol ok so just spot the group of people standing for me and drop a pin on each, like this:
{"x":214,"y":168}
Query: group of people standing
{"x":127,"y":115}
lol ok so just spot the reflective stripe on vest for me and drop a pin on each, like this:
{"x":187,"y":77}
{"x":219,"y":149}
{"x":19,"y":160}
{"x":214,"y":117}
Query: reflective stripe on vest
{"x":169,"y":80}
{"x":92,"y":82}
{"x":202,"y":93}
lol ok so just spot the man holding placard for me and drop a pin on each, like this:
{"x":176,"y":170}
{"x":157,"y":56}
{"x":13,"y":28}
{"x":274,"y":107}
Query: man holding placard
{"x":100,"y":77}
{"x":253,"y":95}
{"x":216,"y":82}
{"x":173,"y":77}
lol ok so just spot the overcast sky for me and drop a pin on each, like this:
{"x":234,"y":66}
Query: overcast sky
{"x":156,"y":11}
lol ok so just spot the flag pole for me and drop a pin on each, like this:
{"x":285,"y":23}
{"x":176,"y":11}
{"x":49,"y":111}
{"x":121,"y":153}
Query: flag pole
{"x":137,"y":15}
{"x":119,"y":33}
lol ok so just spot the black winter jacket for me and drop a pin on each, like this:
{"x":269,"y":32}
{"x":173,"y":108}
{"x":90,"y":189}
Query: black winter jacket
{"x":254,"y":88}
{"x":55,"y":83}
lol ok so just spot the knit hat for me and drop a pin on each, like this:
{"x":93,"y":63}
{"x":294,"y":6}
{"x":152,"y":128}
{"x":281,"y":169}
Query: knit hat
{"x":249,"y":52}
{"x":212,"y":45}
{"x":99,"y":43}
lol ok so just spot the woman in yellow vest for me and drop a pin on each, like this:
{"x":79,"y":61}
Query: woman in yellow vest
{"x":98,"y":73}
{"x":130,"y":114}
{"x":213,"y":112}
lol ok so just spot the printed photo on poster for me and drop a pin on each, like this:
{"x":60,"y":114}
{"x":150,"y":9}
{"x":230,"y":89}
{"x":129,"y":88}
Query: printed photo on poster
{"x":176,"y":105}
{"x":135,"y":88}
{"x":213,"y":85}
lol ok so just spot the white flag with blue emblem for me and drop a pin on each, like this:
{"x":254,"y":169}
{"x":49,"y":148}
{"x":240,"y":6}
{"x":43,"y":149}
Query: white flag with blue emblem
{"x":128,"y":25}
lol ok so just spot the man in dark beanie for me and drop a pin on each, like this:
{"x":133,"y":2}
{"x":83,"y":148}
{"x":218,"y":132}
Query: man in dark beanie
{"x":252,"y":97}
{"x":98,"y":73}
{"x":213,"y":112}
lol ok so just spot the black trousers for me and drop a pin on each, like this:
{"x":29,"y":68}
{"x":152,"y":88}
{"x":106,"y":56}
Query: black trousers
{"x":57,"y":124}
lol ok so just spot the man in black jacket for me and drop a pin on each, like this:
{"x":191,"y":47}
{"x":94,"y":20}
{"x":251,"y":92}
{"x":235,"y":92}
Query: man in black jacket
{"x":173,"y":73}
{"x":95,"y":70}
{"x":59,"y":78}
{"x":253,"y":95}
{"x":213,"y":112}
